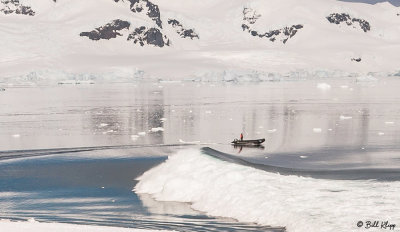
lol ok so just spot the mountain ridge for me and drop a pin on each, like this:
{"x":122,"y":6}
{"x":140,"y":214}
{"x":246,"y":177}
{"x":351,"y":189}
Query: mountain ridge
{"x":180,"y":38}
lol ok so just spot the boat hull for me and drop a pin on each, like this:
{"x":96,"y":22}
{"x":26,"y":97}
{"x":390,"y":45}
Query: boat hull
{"x":255,"y":142}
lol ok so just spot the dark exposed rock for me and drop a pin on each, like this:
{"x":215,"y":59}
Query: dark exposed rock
{"x":151,"y":9}
{"x":153,"y":36}
{"x":250,"y":17}
{"x":108,"y":31}
{"x":337,"y":18}
{"x":14,"y":6}
{"x":184,"y":33}
{"x":356,"y":59}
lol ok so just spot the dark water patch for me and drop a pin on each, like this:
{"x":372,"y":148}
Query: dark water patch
{"x":392,"y":174}
{"x":98,"y":192}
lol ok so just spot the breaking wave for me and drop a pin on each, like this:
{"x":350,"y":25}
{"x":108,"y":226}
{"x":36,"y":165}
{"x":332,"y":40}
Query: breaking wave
{"x":222,"y":185}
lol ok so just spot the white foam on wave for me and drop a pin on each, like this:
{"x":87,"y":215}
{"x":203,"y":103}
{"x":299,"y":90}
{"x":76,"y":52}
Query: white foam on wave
{"x":302,"y":204}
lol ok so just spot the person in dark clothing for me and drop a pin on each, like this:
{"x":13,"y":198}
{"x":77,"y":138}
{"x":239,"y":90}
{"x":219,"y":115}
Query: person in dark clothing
{"x":241,"y":136}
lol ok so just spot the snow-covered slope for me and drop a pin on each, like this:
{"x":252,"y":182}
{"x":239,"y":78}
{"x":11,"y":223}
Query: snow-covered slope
{"x":180,"y":38}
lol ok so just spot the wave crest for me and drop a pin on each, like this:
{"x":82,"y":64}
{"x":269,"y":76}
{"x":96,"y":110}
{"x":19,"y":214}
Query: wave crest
{"x":226,"y":189}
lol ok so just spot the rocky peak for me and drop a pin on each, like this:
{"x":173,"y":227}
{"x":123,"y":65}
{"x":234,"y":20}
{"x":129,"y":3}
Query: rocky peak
{"x":250,"y":17}
{"x":184,"y":33}
{"x":344,"y":18}
{"x":149,"y":36}
{"x":151,"y":9}
{"x":108,"y":31}
{"x":15,"y":7}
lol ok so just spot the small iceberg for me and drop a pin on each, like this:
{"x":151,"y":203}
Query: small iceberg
{"x":323,"y":86}
{"x":343,"y":117}
{"x":156,"y":129}
{"x":317,"y":130}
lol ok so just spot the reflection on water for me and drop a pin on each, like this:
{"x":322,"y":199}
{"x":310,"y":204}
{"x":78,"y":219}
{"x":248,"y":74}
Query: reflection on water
{"x":329,"y":128}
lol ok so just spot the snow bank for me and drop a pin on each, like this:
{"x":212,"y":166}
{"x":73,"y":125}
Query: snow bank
{"x":226,"y":189}
{"x":34,"y":226}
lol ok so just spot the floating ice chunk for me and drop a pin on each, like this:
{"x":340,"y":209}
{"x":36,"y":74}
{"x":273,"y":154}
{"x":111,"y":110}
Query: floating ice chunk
{"x":323,"y":86}
{"x":344,"y":86}
{"x":343,"y":117}
{"x":134,"y":137}
{"x":380,"y":133}
{"x":163,"y":119}
{"x":32,"y":220}
{"x":156,"y":129}
{"x":317,"y":130}
{"x":389,"y":123}
{"x":16,"y":135}
{"x":260,"y":127}
{"x":181,"y":141}
{"x":208,"y":112}
{"x":142,"y":133}
{"x":272,"y":130}
{"x":303,"y":156}
{"x":266,"y":157}
{"x":330,"y":129}
{"x":366,"y":79}
{"x":103,"y":125}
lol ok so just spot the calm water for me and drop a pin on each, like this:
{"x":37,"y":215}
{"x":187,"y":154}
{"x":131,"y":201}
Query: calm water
{"x":71,"y":153}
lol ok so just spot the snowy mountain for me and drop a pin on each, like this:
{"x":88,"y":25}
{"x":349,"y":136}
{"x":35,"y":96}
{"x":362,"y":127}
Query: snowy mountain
{"x":184,"y":39}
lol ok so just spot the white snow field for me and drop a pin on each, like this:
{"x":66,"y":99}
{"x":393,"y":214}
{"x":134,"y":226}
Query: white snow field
{"x":48,"y":46}
{"x":34,"y":226}
{"x":221,"y":188}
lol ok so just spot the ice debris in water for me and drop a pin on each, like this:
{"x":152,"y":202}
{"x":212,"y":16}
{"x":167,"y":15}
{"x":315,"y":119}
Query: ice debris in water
{"x":381,"y":133}
{"x":134,"y":137}
{"x":142,"y":133}
{"x":343,"y":117}
{"x":323,"y":86}
{"x":317,"y":130}
{"x":156,"y":129}
{"x":103,"y":125}
{"x":16,"y":135}
{"x":272,"y":130}
{"x":303,"y":156}
{"x":32,"y":220}
{"x":389,"y":123}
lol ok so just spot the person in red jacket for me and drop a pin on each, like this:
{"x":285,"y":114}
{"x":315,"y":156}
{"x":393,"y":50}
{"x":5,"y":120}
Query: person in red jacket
{"x":241,"y":136}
